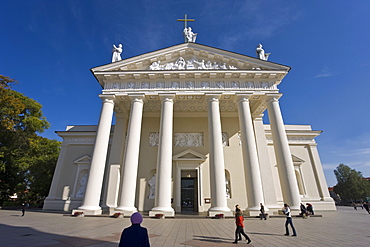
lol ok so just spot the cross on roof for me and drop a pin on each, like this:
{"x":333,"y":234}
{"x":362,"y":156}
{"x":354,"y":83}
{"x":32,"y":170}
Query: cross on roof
{"x":185,"y":20}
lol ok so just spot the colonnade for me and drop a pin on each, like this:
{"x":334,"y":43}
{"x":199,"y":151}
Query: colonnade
{"x":162,"y":204}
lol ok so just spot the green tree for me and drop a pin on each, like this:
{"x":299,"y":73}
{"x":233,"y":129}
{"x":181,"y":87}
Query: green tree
{"x":44,"y":156}
{"x":20,"y":120}
{"x":351,"y":185}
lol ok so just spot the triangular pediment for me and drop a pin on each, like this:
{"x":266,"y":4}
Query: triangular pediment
{"x":83,"y":160}
{"x":296,"y":160}
{"x":190,"y":56}
{"x":189,"y":155}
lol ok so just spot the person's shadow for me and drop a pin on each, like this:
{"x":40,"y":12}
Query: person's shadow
{"x":18,"y":236}
{"x":212,"y":239}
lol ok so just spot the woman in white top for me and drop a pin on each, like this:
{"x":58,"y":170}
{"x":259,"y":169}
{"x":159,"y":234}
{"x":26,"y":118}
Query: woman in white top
{"x":289,"y":220}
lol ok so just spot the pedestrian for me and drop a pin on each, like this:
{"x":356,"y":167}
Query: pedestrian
{"x":239,"y":221}
{"x":135,"y":235}
{"x":288,"y":221}
{"x":354,"y":206}
{"x":24,"y":206}
{"x":309,"y":208}
{"x":303,"y":211}
{"x":262,"y":210}
{"x":366,"y":206}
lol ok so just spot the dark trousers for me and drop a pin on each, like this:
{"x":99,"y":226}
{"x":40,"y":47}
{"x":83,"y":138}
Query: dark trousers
{"x":239,"y":230}
{"x":262,"y":215}
{"x":289,"y":221}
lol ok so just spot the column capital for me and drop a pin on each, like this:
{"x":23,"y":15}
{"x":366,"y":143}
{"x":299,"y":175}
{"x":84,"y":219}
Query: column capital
{"x":242,"y":97}
{"x":138,"y":97}
{"x":273,"y":97}
{"x":167,"y":97}
{"x":107,"y":98}
{"x":213,"y":96}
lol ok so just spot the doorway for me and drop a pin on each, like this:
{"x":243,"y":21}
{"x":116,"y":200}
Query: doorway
{"x":189,"y":196}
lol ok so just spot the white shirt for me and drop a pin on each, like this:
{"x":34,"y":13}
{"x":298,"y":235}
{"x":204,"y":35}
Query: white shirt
{"x":287,"y":212}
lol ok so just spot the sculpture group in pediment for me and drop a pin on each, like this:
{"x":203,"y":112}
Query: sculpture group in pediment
{"x":193,"y":63}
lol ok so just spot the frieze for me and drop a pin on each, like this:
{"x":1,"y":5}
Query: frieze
{"x":186,"y":139}
{"x":190,"y":84}
{"x":179,"y":140}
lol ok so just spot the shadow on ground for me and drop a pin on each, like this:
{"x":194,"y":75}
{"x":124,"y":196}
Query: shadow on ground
{"x":26,"y":236}
{"x":206,"y":241}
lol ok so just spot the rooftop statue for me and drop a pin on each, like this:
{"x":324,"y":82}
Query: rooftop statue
{"x":116,"y":53}
{"x":189,"y":35}
{"x":261,"y":53}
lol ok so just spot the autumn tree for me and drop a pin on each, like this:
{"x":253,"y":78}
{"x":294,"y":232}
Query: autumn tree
{"x":351,"y":184}
{"x":20,"y":120}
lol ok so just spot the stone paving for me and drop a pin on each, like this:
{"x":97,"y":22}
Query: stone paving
{"x":346,"y":227}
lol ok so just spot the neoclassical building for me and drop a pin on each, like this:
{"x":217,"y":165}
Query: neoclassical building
{"x":181,"y":130}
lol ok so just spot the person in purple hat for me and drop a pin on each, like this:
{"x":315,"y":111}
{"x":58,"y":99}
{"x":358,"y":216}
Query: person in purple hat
{"x":135,"y":235}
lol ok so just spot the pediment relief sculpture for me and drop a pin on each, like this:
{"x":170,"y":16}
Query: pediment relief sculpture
{"x":191,"y":64}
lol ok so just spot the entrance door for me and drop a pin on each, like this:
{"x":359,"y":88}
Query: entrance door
{"x":188,"y":194}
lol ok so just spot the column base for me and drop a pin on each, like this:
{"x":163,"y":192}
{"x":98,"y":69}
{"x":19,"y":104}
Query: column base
{"x":126,"y":210}
{"x":168,"y":212}
{"x":87,"y":211}
{"x":220,"y":210}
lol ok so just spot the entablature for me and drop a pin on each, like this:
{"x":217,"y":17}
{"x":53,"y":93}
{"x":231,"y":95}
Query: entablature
{"x":107,"y":79}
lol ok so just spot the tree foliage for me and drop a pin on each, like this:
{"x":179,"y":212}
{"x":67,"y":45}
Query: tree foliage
{"x":351,"y":184}
{"x":21,"y":149}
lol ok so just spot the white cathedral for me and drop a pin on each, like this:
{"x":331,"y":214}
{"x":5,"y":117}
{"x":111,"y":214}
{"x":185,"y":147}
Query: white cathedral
{"x":189,"y":137}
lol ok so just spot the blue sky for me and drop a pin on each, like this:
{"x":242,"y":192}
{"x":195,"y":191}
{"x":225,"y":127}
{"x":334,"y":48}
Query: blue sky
{"x":50,"y":47}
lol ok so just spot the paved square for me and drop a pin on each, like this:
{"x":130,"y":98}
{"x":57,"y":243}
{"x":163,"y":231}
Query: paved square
{"x":346,"y":227}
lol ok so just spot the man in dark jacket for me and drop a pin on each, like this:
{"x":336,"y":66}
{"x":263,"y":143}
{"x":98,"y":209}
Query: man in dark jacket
{"x":135,"y":235}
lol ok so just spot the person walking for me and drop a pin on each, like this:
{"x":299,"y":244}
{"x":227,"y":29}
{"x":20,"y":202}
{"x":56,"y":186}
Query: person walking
{"x":262,"y":210}
{"x":288,"y":221}
{"x":135,"y":235}
{"x":239,"y":221}
{"x":24,"y":206}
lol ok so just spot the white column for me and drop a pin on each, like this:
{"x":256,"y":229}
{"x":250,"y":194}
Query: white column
{"x":322,"y":186}
{"x":216,"y":159}
{"x":265,"y":165}
{"x":131,"y":157}
{"x":283,"y":156}
{"x":111,"y":188}
{"x":162,"y":203}
{"x":250,"y":156}
{"x":96,"y":174}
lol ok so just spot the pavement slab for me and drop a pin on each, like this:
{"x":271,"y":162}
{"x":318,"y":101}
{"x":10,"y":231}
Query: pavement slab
{"x":345,"y":227}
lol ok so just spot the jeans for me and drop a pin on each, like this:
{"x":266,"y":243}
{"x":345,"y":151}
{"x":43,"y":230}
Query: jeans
{"x":289,"y":221}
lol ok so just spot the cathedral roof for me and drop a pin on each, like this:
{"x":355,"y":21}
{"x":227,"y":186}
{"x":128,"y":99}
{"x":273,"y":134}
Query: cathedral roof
{"x":190,"y":60}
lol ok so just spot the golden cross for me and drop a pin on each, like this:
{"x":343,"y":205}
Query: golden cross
{"x":185,"y":20}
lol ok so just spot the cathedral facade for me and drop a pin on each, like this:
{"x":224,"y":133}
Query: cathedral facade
{"x":181,"y":130}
